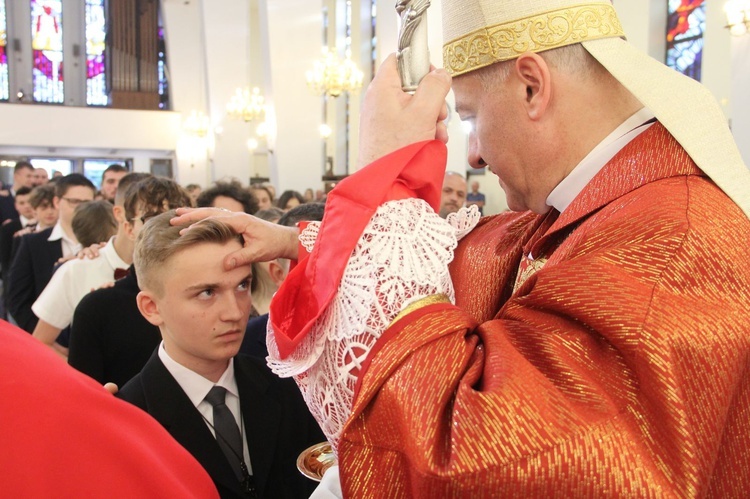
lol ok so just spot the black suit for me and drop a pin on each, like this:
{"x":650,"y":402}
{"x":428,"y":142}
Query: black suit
{"x":6,"y":242}
{"x":278,"y":426}
{"x":8,"y":208}
{"x":29,"y":273}
{"x":109,"y":338}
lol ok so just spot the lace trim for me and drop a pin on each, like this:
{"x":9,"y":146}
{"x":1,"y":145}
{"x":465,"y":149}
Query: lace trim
{"x":402,"y":256}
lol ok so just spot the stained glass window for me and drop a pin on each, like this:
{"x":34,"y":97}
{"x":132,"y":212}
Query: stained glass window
{"x":686,"y":23}
{"x":162,"y":70}
{"x":96,"y":33}
{"x":47,"y":45}
{"x":3,"y":54}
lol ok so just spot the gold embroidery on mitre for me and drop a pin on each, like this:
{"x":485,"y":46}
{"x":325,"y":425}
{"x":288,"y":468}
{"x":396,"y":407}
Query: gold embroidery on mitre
{"x":547,"y":31}
{"x":527,"y":268}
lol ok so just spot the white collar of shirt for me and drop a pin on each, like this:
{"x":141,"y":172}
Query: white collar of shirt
{"x":24,"y":221}
{"x":193,"y":384}
{"x":572,"y":185}
{"x":113,"y":259}
{"x":69,"y":246}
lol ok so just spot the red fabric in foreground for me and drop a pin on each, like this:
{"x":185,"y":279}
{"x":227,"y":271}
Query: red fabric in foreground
{"x":63,"y":435}
{"x":311,"y":285}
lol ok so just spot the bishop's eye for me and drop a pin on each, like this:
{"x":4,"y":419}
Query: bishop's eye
{"x":206,"y":293}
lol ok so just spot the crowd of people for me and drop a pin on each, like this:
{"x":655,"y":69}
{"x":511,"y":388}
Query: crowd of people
{"x":72,"y":279}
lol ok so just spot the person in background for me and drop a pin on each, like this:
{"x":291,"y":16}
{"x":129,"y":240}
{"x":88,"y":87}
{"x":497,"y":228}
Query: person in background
{"x":271,"y":190}
{"x":38,"y":253}
{"x":42,"y":200}
{"x":41,"y":177}
{"x":309,"y":196}
{"x":271,"y":214}
{"x":110,"y":178}
{"x":230,"y":196}
{"x":263,"y":196}
{"x":453,"y":194}
{"x":475,"y":197}
{"x":8,"y":231}
{"x":194,"y":190}
{"x":289,"y":199}
{"x":26,"y":219}
{"x":93,"y":223}
{"x":23,"y":176}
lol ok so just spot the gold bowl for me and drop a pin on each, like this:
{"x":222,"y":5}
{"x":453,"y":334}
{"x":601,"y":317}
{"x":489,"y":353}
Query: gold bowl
{"x":314,"y":461}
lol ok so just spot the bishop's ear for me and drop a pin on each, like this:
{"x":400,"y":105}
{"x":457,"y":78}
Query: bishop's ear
{"x":534,"y":74}
{"x":149,"y":308}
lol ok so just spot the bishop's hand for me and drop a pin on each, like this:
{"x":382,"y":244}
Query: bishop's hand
{"x":391,"y":118}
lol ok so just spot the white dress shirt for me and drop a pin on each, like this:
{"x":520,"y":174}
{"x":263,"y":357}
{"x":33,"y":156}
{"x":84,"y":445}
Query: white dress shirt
{"x":74,"y":280}
{"x":196,"y":387}
{"x":70,"y":247}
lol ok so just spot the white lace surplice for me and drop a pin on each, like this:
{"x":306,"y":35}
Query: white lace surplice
{"x":402,"y":256}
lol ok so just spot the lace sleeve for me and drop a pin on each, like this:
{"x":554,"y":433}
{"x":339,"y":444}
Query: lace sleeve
{"x":402,"y":256}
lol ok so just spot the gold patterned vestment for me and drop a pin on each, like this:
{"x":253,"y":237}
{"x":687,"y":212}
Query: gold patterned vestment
{"x":619,"y":369}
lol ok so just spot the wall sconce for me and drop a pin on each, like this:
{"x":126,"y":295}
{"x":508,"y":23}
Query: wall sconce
{"x":738,"y":16}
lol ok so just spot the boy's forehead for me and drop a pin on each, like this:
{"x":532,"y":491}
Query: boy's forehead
{"x":206,"y":257}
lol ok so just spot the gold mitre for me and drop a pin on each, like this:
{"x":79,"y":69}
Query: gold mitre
{"x":482,"y":32}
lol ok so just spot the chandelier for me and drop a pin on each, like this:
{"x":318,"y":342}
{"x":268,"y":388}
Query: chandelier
{"x":738,"y":16}
{"x":246,"y":104}
{"x":331,"y":76}
{"x":197,"y":124}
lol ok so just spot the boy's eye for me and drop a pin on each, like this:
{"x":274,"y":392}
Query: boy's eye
{"x":244,"y":285}
{"x":206,"y":293}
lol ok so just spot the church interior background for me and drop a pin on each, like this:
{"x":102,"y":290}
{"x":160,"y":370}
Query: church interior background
{"x":204,"y":90}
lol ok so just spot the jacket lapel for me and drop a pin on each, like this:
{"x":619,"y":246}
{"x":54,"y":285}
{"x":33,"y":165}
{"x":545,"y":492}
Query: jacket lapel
{"x":168,"y":404}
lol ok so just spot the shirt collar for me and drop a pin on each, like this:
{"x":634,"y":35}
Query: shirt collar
{"x":24,"y":221}
{"x":113,"y":259}
{"x":195,"y":386}
{"x":58,"y":233}
{"x":572,"y":185}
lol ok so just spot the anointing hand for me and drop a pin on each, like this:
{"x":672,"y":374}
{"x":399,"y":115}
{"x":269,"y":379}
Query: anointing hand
{"x":264,"y":241}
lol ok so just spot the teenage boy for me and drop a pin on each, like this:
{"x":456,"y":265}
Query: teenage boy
{"x":242,"y":423}
{"x":37,"y":254}
{"x":109,"y":338}
{"x":77,"y":277}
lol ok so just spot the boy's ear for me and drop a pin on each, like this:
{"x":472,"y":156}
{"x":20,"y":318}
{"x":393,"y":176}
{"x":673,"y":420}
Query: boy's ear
{"x":277,"y":272}
{"x":149,"y":308}
{"x":119,"y":213}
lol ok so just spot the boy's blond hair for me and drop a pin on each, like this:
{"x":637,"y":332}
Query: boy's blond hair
{"x":159,"y":241}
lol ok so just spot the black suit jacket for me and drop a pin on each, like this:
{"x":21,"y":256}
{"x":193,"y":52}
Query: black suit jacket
{"x":29,"y":273}
{"x":6,"y":243}
{"x":109,"y":338}
{"x":7,"y":208}
{"x":278,"y":426}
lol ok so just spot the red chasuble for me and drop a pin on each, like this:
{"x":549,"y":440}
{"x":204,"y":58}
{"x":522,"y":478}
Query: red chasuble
{"x":63,"y":435}
{"x":618,"y":369}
